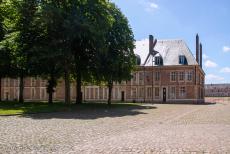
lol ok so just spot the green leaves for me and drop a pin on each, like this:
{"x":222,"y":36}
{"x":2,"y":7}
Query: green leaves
{"x":118,"y":62}
{"x":90,"y":39}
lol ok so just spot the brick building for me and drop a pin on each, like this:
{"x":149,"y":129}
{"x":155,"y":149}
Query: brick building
{"x":217,"y":90}
{"x":170,"y":73}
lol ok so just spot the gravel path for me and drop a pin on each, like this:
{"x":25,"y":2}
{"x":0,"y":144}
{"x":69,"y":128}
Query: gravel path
{"x":159,"y":128}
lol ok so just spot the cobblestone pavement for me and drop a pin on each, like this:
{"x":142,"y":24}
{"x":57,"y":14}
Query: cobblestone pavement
{"x":158,"y":128}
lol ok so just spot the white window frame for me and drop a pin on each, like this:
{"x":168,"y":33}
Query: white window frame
{"x":173,"y":76}
{"x":182,"y":91}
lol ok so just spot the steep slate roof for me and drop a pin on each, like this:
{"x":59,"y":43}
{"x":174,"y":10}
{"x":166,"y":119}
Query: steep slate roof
{"x":168,"y":49}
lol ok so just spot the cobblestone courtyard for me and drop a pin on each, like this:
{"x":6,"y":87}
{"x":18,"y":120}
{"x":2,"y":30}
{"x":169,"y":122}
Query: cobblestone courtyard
{"x":158,"y":128}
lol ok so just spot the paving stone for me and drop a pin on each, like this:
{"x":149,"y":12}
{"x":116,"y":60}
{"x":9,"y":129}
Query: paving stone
{"x":159,"y":128}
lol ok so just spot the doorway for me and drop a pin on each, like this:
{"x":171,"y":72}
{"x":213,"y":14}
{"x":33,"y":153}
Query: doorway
{"x":164,"y":94}
{"x":122,"y":96}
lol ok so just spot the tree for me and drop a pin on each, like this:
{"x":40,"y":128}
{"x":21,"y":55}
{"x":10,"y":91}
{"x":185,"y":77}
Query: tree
{"x":2,"y":33}
{"x":5,"y":65}
{"x":119,"y":59}
{"x":19,"y":37}
{"x":7,"y":45}
{"x":47,"y":53}
{"x":26,"y":38}
{"x":72,"y":29}
{"x":90,"y":21}
{"x":76,"y":30}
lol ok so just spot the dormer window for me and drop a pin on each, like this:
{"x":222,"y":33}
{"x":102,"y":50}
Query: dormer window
{"x":158,"y":60}
{"x":183,"y":60}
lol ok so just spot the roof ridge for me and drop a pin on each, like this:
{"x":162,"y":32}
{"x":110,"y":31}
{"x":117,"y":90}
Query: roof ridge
{"x":170,"y":40}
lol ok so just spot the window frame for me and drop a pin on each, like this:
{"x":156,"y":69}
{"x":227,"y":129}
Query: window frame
{"x":181,"y":76}
{"x":157,"y":91}
{"x":182,"y":91}
{"x":173,"y":75}
{"x":157,"y":76}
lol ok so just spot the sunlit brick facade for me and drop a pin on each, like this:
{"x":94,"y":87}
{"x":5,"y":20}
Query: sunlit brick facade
{"x":171,"y":75}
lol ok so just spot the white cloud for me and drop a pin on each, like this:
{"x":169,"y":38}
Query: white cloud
{"x":205,"y":57}
{"x":214,"y":78}
{"x":149,"y":5}
{"x":225,"y":70}
{"x":153,"y":5}
{"x":226,"y":49}
{"x":210,"y":64}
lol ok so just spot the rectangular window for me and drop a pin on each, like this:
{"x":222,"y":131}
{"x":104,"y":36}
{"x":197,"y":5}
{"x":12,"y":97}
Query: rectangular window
{"x":141,"y":78}
{"x":149,"y":92}
{"x":96,"y":93}
{"x":134,"y":92}
{"x":16,"y":82}
{"x":141,"y":92}
{"x":173,"y":92}
{"x":134,"y":77}
{"x":87,"y":93}
{"x":7,"y":82}
{"x":189,"y":76}
{"x":43,"y":83}
{"x":158,"y":60}
{"x":43,"y":93}
{"x":148,"y":77}
{"x":157,"y":76}
{"x":157,"y":91}
{"x":182,"y":60}
{"x":181,"y":76}
{"x":173,"y":76}
{"x":116,"y":93}
{"x":182,"y":91}
{"x":33,"y":92}
{"x":105,"y":93}
{"x":33,"y":82}
{"x":91,"y":93}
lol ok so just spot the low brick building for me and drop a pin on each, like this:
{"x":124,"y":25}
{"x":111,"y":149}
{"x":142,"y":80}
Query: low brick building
{"x":217,"y":90}
{"x":170,"y":73}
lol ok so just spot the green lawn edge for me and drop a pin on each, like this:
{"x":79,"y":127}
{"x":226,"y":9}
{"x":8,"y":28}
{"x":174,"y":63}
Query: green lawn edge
{"x":15,"y":108}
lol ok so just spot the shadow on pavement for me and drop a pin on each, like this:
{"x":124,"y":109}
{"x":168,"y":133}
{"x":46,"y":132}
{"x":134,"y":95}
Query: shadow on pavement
{"x":86,"y":113}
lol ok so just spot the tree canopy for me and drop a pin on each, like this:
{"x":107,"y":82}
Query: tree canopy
{"x":87,"y":40}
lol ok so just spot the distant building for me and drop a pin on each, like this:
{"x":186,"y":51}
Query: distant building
{"x":217,"y":90}
{"x":170,"y":73}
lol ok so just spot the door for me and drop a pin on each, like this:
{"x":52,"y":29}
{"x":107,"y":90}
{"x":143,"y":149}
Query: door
{"x":122,"y":96}
{"x":164,"y":94}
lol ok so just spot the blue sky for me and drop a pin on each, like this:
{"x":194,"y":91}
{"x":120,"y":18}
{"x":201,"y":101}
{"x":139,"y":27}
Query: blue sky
{"x":182,"y":19}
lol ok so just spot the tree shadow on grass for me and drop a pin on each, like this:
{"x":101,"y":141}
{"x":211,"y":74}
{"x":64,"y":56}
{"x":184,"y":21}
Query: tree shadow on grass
{"x":88,"y":111}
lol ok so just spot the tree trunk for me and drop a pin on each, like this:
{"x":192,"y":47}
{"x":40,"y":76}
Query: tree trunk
{"x":21,"y":88}
{"x":50,"y":88}
{"x":110,"y":86}
{"x":0,"y":89}
{"x":78,"y":89}
{"x":50,"y":101}
{"x":67,"y":88}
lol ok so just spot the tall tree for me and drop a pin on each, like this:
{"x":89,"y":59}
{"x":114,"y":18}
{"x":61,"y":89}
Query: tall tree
{"x":76,"y":32}
{"x":18,"y":20}
{"x":2,"y":33}
{"x":25,"y":39}
{"x":92,"y":21}
{"x":119,"y":59}
{"x":7,"y":37}
{"x":47,"y":53}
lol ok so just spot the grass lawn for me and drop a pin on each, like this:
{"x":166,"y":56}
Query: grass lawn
{"x":13,"y":108}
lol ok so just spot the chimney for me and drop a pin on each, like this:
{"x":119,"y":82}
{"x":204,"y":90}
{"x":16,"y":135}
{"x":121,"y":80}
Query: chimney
{"x":201,"y":55}
{"x":197,"y":49}
{"x":150,"y":43}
